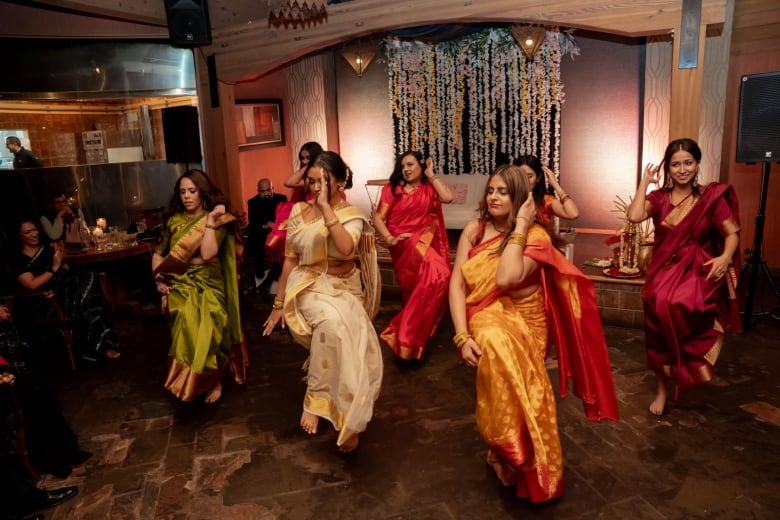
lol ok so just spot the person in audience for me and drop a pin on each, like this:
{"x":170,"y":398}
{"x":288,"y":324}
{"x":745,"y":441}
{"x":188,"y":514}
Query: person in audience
{"x":328,"y":303}
{"x":689,"y":295}
{"x":40,"y":267}
{"x":540,"y":179}
{"x":194,"y":268}
{"x":61,"y":219}
{"x":23,"y":158}
{"x":512,"y":295}
{"x":262,"y":213}
{"x":410,"y":221}
{"x":274,"y":243}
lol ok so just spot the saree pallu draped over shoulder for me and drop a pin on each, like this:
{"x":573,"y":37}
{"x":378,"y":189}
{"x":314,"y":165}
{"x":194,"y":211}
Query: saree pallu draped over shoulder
{"x":516,"y":410}
{"x":421,"y":264}
{"x":330,"y":315}
{"x":686,"y":314}
{"x":203,"y":307}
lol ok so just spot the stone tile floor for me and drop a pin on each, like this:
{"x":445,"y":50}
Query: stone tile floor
{"x":715,"y":454}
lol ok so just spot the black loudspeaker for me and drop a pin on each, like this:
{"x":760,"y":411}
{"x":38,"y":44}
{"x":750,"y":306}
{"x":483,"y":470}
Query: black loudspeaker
{"x":182,"y":134}
{"x":188,"y":22}
{"x":758,"y":135}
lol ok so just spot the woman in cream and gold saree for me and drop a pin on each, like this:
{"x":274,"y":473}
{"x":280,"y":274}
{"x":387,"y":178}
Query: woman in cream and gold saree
{"x":195,"y":270}
{"x":328,"y":303}
{"x":689,"y":295}
{"x":513,"y":294}
{"x":409,"y":218}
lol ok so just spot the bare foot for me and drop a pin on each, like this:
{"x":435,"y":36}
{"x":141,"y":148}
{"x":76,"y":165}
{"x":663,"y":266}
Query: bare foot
{"x":350,"y":444}
{"x":214,"y":394}
{"x":659,"y":403}
{"x":309,"y":422}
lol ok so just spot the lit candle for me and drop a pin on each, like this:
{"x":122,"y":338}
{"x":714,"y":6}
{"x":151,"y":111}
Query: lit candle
{"x":98,"y":232}
{"x":101,"y":223}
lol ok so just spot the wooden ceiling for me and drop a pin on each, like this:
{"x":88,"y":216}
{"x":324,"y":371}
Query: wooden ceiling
{"x":246,"y":47}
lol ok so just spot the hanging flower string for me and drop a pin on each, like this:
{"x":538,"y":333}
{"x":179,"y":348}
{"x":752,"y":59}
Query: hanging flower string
{"x":477,"y":96}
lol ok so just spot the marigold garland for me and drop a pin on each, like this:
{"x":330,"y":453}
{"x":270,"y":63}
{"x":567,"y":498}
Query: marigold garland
{"x":476,"y":97}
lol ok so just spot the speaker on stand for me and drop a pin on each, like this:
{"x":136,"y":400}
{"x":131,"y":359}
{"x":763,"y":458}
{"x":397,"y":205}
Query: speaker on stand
{"x":188,"y":22}
{"x":758,"y":141}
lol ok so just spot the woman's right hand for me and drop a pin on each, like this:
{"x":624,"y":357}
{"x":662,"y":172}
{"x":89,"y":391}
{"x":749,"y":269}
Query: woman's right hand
{"x":651,"y":174}
{"x":276,"y":316}
{"x":470,"y":352}
{"x":59,"y":253}
{"x":163,"y":287}
{"x":5,"y":313}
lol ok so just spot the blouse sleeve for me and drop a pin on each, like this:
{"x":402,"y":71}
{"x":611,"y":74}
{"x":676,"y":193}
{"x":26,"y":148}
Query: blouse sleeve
{"x":653,"y":203}
{"x":724,"y":218}
{"x":165,"y":241}
{"x":355,"y":229}
{"x":386,"y":200}
{"x":53,"y":230}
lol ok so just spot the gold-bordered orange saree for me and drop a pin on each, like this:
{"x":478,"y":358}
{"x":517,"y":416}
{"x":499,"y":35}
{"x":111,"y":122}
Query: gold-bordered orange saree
{"x":516,"y":411}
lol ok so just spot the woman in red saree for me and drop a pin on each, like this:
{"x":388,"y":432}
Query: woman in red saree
{"x":274,"y":242}
{"x":512,"y":295}
{"x":409,"y":218}
{"x":690,"y":291}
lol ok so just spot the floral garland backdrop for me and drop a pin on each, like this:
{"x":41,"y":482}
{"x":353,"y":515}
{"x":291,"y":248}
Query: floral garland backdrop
{"x":466,"y":102}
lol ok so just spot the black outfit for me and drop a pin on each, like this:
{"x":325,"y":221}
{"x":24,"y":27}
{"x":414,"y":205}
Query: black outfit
{"x":261,"y":211}
{"x":24,"y":158}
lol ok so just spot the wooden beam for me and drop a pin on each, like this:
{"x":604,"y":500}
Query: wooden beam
{"x":686,"y":92}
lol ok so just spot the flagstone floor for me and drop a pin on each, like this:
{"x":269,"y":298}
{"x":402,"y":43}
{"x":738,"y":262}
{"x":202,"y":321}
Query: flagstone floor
{"x":715,"y":454}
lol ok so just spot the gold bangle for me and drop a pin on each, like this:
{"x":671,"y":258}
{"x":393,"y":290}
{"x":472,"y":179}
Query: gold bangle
{"x":517,"y":239}
{"x":564,"y":199}
{"x":210,"y":226}
{"x":277,"y":305}
{"x":433,"y":177}
{"x":331,"y":223}
{"x":461,"y":338}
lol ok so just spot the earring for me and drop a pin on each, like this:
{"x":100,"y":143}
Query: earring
{"x":341,"y":187}
{"x":695,"y":179}
{"x":669,"y":182}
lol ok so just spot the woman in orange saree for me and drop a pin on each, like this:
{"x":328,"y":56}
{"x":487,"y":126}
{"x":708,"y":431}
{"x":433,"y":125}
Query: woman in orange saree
{"x":689,"y":294}
{"x":409,"y":218}
{"x":512,"y":294}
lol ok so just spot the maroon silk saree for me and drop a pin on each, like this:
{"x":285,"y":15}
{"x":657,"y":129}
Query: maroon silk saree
{"x":686,"y":314}
{"x":421,"y":264}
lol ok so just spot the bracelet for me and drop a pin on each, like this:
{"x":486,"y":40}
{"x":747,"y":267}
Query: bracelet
{"x":564,"y":198}
{"x":331,"y":223}
{"x":433,"y":177}
{"x":461,"y":338}
{"x":278,"y":304}
{"x":518,"y":239}
{"x":210,"y":226}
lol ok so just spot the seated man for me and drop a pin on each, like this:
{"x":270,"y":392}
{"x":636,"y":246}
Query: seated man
{"x":262,"y":211}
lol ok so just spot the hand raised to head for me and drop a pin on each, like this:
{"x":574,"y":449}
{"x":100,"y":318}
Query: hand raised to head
{"x":429,"y":168}
{"x":218,"y":211}
{"x":651,"y":175}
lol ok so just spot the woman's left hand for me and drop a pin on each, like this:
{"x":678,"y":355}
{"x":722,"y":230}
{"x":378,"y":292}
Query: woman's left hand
{"x":323,"y":196}
{"x":218,"y":211}
{"x":527,"y":211}
{"x":277,"y":316}
{"x":429,"y":168}
{"x":718,"y":268}
{"x":470,"y":352}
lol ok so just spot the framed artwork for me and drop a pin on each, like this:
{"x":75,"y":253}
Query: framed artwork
{"x":259,"y":122}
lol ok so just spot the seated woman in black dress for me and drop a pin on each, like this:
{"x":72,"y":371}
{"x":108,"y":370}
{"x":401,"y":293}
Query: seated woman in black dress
{"x":37,"y":267}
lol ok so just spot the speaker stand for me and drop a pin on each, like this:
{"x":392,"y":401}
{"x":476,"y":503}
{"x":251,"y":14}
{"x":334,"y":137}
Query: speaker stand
{"x":755,"y":262}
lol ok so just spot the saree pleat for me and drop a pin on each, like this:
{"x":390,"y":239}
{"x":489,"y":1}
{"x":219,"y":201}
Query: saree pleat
{"x":516,"y":409}
{"x":421,"y":264}
{"x":331,"y":317}
{"x":686,"y":314}
{"x":203,"y":306}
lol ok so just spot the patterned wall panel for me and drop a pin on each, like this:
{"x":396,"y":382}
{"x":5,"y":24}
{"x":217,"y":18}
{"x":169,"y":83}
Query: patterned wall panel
{"x":713,"y":99}
{"x":306,"y":94}
{"x":658,"y":78}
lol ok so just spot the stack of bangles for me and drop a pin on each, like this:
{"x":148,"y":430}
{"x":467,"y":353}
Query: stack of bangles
{"x":564,"y":198}
{"x":329,"y":224}
{"x":278,"y":304}
{"x":461,"y":338}
{"x":518,"y":239}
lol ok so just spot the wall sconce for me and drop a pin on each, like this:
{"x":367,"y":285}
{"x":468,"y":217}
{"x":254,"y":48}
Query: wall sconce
{"x":359,"y":58}
{"x":529,"y":38}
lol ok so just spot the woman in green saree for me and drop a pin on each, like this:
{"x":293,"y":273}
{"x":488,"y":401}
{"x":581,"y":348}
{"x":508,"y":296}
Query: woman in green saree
{"x":195,"y":270}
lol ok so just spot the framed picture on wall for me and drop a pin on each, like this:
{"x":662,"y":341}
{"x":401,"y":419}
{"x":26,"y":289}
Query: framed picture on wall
{"x":259,"y":122}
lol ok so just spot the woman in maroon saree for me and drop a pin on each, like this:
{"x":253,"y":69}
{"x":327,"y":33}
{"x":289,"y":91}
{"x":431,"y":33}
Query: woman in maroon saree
{"x":690,"y":291}
{"x":409,"y":218}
